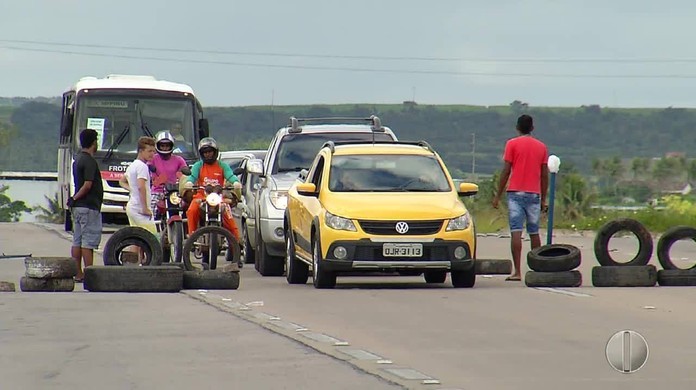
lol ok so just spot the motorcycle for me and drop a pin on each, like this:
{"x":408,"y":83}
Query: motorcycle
{"x":171,"y":223}
{"x":211,"y":239}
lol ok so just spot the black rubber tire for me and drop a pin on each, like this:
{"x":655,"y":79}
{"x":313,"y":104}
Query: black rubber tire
{"x":553,"y":279}
{"x":664,"y":244}
{"x":620,"y":276}
{"x":269,"y":265}
{"x":604,"y":234}
{"x":50,"y":267}
{"x":7,"y":287}
{"x":676,"y":277}
{"x":132,"y":235}
{"x":249,"y":254}
{"x":234,"y":252}
{"x":493,"y":266}
{"x":320,"y":277}
{"x":297,"y":271}
{"x":463,"y":279}
{"x":164,"y":244}
{"x":211,"y":280}
{"x":554,"y":258}
{"x":432,"y":277}
{"x":214,"y":232}
{"x":163,"y":278}
{"x":46,"y":285}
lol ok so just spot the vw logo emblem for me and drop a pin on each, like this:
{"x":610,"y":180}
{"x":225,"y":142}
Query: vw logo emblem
{"x":401,"y":227}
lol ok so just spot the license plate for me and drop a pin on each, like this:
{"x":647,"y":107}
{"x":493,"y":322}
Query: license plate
{"x":402,"y":250}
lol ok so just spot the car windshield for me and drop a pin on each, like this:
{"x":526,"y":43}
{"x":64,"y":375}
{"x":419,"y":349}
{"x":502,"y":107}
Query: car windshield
{"x":111,"y":115}
{"x":297,"y":151}
{"x":387,"y":173}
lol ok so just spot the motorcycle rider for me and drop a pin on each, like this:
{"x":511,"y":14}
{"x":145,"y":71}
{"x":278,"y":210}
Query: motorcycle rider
{"x":165,"y":166}
{"x":208,"y":170}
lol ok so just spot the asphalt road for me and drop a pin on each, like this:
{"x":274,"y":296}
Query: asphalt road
{"x":498,"y":335}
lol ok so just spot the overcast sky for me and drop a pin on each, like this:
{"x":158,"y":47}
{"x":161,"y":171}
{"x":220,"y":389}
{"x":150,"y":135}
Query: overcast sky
{"x":479,"y":45}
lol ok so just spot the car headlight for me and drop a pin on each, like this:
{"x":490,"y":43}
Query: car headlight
{"x":279,"y":199}
{"x":214,"y":199}
{"x":174,"y":198}
{"x":339,"y":223}
{"x":462,"y":222}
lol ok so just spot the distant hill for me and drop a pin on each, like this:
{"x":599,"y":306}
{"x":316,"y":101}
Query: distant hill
{"x":576,"y":134}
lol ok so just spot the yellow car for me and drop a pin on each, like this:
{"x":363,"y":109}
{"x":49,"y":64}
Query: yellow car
{"x":382,"y":206}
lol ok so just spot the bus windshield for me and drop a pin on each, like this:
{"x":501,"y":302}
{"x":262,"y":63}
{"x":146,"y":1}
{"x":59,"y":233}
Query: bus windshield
{"x":112,"y":116}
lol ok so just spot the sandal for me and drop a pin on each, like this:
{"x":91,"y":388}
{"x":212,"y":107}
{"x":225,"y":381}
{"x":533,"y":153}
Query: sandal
{"x":513,"y":279}
{"x":79,"y":280}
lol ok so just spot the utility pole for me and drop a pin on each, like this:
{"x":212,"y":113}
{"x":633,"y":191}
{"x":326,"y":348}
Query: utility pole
{"x":272,"y":110}
{"x":473,"y":156}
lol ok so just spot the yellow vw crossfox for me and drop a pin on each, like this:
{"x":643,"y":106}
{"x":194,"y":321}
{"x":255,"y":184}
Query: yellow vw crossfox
{"x":380,"y":206}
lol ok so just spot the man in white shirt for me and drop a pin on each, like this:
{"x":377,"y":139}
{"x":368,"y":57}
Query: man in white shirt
{"x":137,"y":181}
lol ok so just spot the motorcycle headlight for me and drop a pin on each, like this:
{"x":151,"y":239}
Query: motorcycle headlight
{"x":339,"y":223}
{"x":279,"y":199}
{"x":174,"y":198}
{"x":213,"y":199}
{"x":462,"y":222}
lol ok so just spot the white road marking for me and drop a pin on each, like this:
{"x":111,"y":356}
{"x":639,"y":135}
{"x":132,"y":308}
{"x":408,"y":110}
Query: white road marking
{"x":564,"y":292}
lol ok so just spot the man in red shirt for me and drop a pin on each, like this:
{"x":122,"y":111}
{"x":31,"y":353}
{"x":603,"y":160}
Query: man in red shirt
{"x":525,"y":165}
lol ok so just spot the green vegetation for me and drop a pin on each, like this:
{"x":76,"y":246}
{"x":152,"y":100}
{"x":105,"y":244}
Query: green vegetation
{"x":52,"y":213}
{"x":10,"y":211}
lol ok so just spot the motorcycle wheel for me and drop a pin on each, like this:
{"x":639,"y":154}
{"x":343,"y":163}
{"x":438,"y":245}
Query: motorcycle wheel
{"x":192,"y":242}
{"x":176,"y":241}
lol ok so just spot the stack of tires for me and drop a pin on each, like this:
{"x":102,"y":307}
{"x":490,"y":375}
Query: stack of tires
{"x":634,"y":273}
{"x":671,"y":274}
{"x":48,"y":274}
{"x":553,"y":265}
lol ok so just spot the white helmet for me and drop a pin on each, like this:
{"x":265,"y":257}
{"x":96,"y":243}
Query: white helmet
{"x":164,"y":137}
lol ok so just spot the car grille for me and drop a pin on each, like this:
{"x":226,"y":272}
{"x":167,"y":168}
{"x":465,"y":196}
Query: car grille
{"x":375,"y":254}
{"x":415,"y":228}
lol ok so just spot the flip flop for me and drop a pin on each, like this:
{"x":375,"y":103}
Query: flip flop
{"x":513,"y":279}
{"x":79,"y":280}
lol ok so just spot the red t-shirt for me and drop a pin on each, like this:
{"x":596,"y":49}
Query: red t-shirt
{"x":527,"y":155}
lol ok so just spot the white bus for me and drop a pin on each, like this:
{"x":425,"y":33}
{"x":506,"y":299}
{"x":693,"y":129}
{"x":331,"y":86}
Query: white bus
{"x":121,"y":108}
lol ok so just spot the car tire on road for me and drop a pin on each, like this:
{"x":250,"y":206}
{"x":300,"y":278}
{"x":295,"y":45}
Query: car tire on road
{"x":163,"y":278}
{"x":269,"y":265}
{"x":553,"y":279}
{"x":320,"y":277}
{"x":605,"y":233}
{"x":676,"y":277}
{"x":248,"y":254}
{"x":621,"y":276}
{"x":493,"y":266}
{"x":435,"y":276}
{"x":664,"y":244}
{"x":297,"y":271}
{"x":50,"y":267}
{"x":220,"y":279}
{"x":554,"y":258}
{"x":46,"y":285}
{"x":132,"y":235}
{"x":463,"y":279}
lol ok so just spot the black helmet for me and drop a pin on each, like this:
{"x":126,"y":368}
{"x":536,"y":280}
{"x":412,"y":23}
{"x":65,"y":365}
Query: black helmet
{"x":208,"y":143}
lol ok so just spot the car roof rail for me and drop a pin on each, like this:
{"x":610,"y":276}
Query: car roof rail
{"x":294,"y":127}
{"x":331,"y":145}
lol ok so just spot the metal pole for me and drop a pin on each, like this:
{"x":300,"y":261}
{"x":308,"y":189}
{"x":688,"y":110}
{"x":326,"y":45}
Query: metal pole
{"x":552,"y":193}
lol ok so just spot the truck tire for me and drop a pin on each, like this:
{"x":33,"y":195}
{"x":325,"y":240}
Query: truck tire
{"x":134,"y":279}
{"x":553,"y":279}
{"x":554,"y":258}
{"x":664,"y":244}
{"x":604,"y":234}
{"x":132,"y":235}
{"x":50,"y":267}
{"x":211,"y":280}
{"x":619,"y":276}
{"x":46,"y":285}
{"x":493,"y":266}
{"x":676,"y":277}
{"x":215,"y":232}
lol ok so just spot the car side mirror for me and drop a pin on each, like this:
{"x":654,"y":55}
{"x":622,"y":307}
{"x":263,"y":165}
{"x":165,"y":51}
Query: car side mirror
{"x":238,"y":171}
{"x":66,"y":130}
{"x":303,"y":174}
{"x":307,"y":189}
{"x":255,"y":167}
{"x":467,"y":189}
{"x":203,"y":127}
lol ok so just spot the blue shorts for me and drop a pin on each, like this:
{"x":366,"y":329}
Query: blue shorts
{"x":87,"y":227}
{"x":524,"y":206}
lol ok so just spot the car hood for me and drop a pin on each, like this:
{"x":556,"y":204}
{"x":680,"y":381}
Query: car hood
{"x":393,"y":206}
{"x":283,"y":181}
